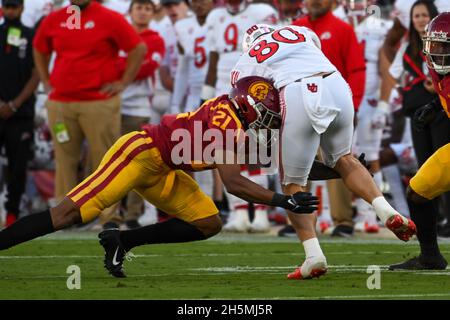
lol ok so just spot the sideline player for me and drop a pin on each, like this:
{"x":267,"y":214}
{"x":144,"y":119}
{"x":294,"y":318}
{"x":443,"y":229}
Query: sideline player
{"x":317,"y":110}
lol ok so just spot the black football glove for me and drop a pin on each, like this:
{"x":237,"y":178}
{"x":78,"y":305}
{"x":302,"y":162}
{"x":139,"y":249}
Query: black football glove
{"x":300,"y":202}
{"x":425,"y":115}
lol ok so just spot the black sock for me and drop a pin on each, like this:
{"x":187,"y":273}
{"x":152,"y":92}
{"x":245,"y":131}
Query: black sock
{"x":425,"y":217}
{"x":170,"y":231}
{"x":26,"y":228}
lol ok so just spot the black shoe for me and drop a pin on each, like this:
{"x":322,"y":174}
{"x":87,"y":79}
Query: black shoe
{"x":421,"y":263}
{"x":132,"y":224}
{"x":114,"y":252}
{"x":342,"y":231}
{"x":110,"y":225}
{"x":287,"y":231}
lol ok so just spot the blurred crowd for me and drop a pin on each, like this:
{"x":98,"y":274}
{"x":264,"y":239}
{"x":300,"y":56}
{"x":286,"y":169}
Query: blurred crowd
{"x":77,"y":84}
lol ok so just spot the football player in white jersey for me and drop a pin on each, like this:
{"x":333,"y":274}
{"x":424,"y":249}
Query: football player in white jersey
{"x":167,"y":12}
{"x":317,"y":111}
{"x":371,"y":32}
{"x":226,"y":26}
{"x":192,"y":59}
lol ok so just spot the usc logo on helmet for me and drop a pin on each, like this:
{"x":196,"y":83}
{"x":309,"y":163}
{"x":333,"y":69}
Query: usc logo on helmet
{"x":259,"y":90}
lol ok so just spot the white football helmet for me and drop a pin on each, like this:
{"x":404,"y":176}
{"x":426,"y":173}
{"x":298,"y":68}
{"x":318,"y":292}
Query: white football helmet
{"x":253,"y":33}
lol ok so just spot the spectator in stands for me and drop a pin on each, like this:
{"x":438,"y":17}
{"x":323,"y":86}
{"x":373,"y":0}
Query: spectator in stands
{"x":86,"y":82}
{"x":18,"y":80}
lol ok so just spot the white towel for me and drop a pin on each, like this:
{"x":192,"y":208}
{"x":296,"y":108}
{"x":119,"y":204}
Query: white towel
{"x":320,"y":115}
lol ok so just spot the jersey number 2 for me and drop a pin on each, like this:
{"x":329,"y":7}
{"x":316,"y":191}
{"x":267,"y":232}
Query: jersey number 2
{"x":263,"y":50}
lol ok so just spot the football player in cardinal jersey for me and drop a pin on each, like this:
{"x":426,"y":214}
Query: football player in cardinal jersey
{"x":433,"y":177}
{"x":149,"y":162}
{"x":372,"y":114}
{"x":317,"y":110}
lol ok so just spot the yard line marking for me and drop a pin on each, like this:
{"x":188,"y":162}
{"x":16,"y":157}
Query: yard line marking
{"x":381,"y":296}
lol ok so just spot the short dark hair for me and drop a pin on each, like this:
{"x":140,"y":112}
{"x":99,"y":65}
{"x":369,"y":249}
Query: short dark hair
{"x":133,"y":2}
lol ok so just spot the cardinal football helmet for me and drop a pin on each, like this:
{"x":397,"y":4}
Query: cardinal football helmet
{"x":257,"y":104}
{"x":436,"y":43}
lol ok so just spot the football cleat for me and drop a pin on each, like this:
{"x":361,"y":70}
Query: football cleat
{"x":10,"y":219}
{"x":236,"y":225}
{"x":402,"y":227}
{"x":260,"y":226}
{"x":421,"y":263}
{"x":114,"y":252}
{"x":367,"y":227}
{"x":313,"y":267}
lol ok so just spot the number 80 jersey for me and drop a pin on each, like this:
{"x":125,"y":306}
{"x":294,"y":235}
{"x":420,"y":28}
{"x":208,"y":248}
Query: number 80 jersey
{"x":285,"y":55}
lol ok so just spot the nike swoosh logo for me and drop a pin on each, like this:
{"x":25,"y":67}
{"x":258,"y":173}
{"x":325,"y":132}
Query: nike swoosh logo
{"x":292,"y":203}
{"x":115,"y":262}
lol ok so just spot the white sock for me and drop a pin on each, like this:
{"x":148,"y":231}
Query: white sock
{"x":383,"y":209}
{"x":312,"y":248}
{"x":261,"y":215}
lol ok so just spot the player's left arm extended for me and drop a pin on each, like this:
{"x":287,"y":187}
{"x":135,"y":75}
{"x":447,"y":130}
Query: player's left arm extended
{"x":236,"y":184}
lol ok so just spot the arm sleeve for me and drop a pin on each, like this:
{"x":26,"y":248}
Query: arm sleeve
{"x":42,"y":41}
{"x":355,"y":66}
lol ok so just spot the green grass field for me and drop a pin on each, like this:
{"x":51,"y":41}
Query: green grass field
{"x":225,"y":267}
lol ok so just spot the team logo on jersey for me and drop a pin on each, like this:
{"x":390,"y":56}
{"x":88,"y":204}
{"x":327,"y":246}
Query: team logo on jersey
{"x":312,"y":87}
{"x":325,"y":36}
{"x":89,"y":25}
{"x":259,"y":90}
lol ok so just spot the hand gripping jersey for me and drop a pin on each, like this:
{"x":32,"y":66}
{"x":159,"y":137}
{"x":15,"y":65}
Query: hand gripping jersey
{"x":284,"y":55}
{"x":213,"y":125}
{"x":225,"y":33}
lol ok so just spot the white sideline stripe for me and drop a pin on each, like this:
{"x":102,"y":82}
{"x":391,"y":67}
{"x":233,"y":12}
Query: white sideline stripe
{"x":381,"y":296}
